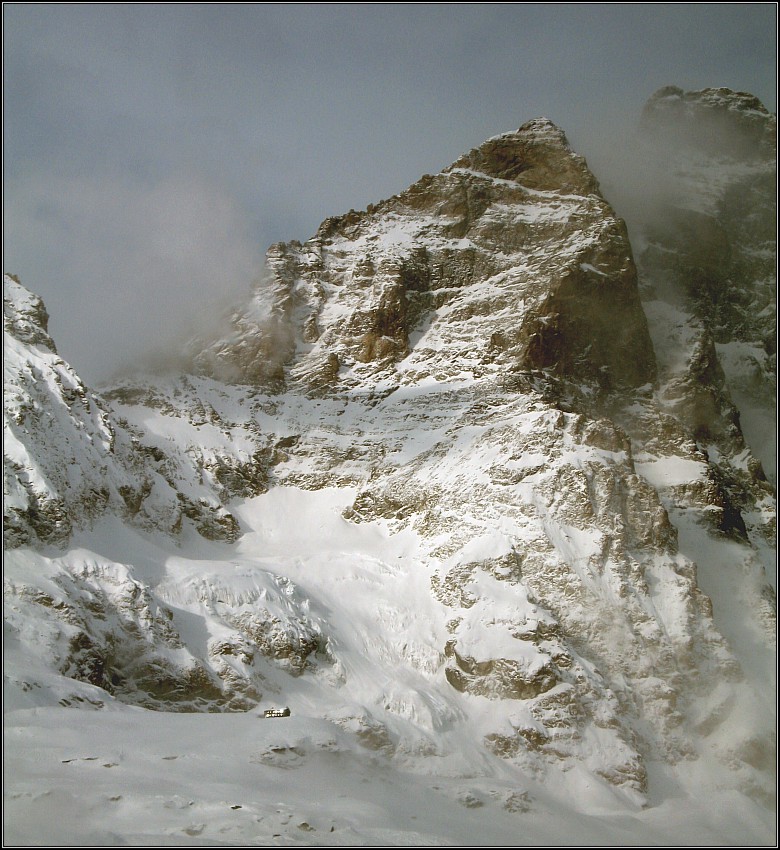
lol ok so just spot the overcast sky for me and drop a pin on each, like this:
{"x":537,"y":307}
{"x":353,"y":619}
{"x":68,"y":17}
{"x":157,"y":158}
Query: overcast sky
{"x":153,"y":152}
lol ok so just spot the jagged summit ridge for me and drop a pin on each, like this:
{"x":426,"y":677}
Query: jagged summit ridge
{"x":537,"y":156}
{"x":456,"y":277}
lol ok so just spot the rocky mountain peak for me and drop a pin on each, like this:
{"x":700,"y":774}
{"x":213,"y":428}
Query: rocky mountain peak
{"x":508,"y":262}
{"x":717,"y":121}
{"x":537,"y":156}
{"x":445,"y":485}
{"x":24,"y":314}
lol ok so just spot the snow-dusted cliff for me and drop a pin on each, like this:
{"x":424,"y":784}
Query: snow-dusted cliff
{"x":507,"y":263}
{"x":457,"y":485}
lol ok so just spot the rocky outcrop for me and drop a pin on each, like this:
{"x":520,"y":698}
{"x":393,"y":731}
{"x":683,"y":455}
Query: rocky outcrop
{"x":24,"y":315}
{"x":99,"y":624}
{"x":497,"y":678}
{"x":51,"y":425}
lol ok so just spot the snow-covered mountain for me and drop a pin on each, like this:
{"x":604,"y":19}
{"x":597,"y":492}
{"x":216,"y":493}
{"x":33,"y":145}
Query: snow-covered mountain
{"x":478,"y":497}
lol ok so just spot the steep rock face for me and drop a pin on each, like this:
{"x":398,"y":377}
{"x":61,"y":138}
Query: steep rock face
{"x":539,"y":531}
{"x":51,"y":423}
{"x":709,"y":252}
{"x":509,"y":261}
{"x":707,"y":277}
{"x":504,"y":286}
{"x":705,"y":243}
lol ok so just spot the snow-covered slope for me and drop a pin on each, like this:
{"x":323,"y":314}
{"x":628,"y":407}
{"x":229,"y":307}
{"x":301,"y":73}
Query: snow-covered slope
{"x":57,"y":440}
{"x":67,"y":459}
{"x":434,"y":491}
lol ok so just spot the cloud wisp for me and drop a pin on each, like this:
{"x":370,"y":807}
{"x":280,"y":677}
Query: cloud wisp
{"x":142,"y":263}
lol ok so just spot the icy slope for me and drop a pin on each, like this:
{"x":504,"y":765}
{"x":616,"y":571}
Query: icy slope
{"x":384,"y":751}
{"x":139,"y":778}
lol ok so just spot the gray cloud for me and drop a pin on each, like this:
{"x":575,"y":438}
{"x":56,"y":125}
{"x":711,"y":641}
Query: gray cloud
{"x":131,"y":264}
{"x":153,"y":152}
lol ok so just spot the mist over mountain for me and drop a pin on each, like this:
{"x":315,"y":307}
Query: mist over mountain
{"x":479,"y":482}
{"x":132,"y":133}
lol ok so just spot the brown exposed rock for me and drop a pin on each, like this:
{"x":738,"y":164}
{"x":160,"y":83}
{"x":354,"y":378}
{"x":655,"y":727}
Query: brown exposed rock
{"x":537,"y":156}
{"x":474,"y":240}
{"x":25,"y":316}
{"x":287,"y":642}
{"x":498,"y":678}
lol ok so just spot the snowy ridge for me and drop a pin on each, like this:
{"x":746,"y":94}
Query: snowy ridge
{"x":45,"y":399}
{"x":68,"y":458}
